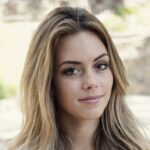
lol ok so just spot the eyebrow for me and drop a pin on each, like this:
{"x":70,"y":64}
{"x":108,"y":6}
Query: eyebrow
{"x":78,"y":63}
{"x":100,"y":56}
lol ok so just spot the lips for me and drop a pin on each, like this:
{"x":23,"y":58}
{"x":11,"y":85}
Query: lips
{"x":91,"y":99}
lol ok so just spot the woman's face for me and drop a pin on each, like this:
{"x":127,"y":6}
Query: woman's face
{"x":83,"y":79}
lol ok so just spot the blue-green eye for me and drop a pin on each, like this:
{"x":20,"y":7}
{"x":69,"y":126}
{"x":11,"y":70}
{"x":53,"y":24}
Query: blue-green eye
{"x":71,"y":71}
{"x":102,"y":66}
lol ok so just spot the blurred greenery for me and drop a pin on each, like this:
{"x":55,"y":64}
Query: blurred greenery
{"x":117,"y":25}
{"x":113,"y":22}
{"x":126,"y":17}
{"x":122,"y":11}
{"x":6,"y":90}
{"x":116,"y":21}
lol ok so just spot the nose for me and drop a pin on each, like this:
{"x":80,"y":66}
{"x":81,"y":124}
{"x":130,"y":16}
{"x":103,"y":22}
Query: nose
{"x":90,"y":82}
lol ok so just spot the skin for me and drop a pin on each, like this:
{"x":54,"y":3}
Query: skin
{"x":82,"y":70}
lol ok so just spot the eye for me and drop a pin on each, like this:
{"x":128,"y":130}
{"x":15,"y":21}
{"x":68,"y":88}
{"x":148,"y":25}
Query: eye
{"x":71,"y":71}
{"x":102,"y":66}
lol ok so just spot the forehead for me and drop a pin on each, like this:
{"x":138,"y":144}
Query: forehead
{"x":80,"y":46}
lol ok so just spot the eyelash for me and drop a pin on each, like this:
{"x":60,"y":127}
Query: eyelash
{"x":105,"y":65}
{"x":70,"y":71}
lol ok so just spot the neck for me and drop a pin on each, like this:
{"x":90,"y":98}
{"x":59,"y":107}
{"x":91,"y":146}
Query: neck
{"x":80,"y":131}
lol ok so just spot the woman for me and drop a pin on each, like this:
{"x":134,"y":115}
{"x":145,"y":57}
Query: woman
{"x":73,"y":87}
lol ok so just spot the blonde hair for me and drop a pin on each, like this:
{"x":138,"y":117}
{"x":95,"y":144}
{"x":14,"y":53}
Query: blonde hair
{"x":117,"y":129}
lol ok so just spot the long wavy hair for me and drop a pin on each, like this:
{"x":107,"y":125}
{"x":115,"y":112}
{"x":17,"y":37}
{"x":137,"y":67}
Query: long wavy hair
{"x":117,"y":129}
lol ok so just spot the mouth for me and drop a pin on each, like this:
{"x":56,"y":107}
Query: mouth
{"x":91,"y":99}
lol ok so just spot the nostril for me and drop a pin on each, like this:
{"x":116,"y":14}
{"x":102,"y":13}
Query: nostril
{"x":88,"y":86}
{"x":89,"y":81}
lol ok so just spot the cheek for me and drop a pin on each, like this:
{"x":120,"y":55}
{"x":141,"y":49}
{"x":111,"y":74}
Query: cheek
{"x":109,"y":79}
{"x":106,"y":81}
{"x":109,"y":84}
{"x":66,"y":89}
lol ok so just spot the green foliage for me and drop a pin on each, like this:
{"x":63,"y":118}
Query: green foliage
{"x":114,"y":23}
{"x":7,"y":90}
{"x":122,"y":11}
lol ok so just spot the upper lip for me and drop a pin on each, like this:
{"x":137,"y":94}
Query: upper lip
{"x":90,"y":98}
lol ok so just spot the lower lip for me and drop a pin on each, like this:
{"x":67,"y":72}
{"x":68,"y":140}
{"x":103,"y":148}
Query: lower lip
{"x":91,"y":101}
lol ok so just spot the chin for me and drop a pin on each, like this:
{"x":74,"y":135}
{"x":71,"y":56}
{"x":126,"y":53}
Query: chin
{"x":93,"y":116}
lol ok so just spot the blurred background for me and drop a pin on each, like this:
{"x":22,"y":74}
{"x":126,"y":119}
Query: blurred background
{"x":127,"y":21}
